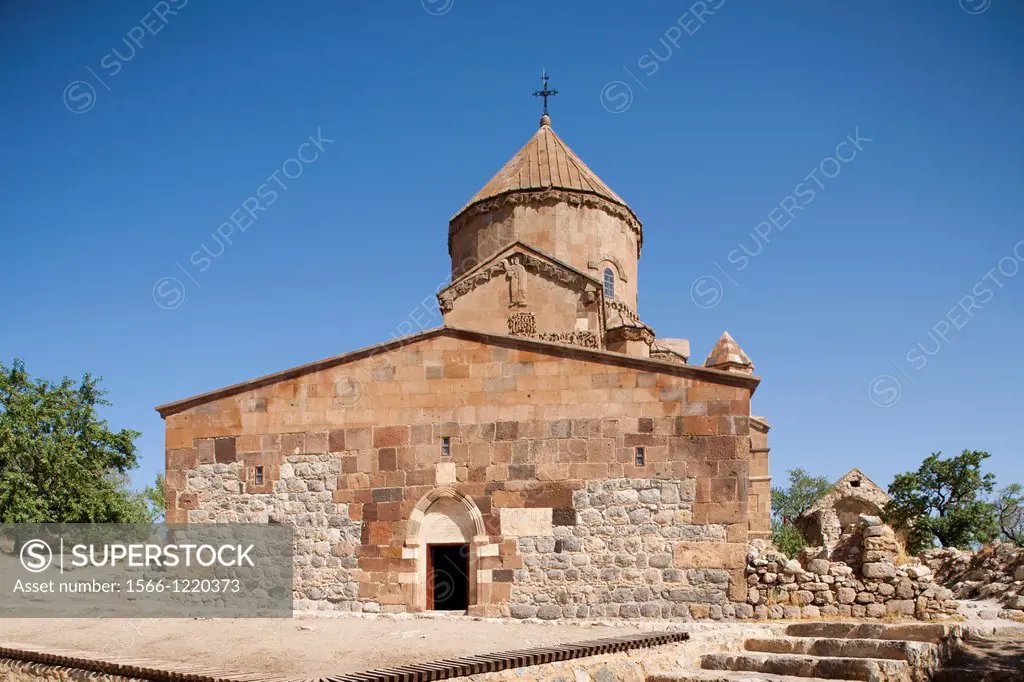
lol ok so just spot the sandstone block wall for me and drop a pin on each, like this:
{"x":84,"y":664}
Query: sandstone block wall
{"x":760,"y":489}
{"x":586,"y":237}
{"x":351,"y":454}
{"x":554,"y":306}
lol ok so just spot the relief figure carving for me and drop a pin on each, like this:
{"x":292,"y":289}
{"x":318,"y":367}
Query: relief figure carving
{"x":516,"y":274}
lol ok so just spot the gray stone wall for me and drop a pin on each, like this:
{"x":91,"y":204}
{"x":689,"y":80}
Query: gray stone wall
{"x":615,"y":555}
{"x":996,"y":572}
{"x":615,"y":559}
{"x":781,"y":588}
{"x":326,"y":539}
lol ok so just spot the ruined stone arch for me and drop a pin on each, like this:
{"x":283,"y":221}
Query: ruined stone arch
{"x":848,"y":511}
{"x":443,"y":515}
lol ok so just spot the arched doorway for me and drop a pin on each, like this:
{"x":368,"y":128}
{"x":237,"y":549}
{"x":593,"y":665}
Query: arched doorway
{"x":445,"y":530}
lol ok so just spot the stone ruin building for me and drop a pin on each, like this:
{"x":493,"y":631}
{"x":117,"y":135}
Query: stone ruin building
{"x":541,"y":454}
{"x":853,"y":565}
{"x":876,"y":583}
{"x":839,"y":510}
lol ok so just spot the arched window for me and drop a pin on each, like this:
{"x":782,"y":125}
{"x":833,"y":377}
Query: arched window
{"x":609,"y":284}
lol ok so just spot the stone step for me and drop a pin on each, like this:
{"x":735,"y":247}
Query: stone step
{"x":729,"y":676}
{"x":831,"y":668}
{"x":891,"y":649}
{"x":932,"y":633}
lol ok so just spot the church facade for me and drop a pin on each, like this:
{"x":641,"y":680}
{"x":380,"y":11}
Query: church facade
{"x":542,"y":454}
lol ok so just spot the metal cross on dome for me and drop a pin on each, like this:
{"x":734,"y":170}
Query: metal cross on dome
{"x":545,"y":93}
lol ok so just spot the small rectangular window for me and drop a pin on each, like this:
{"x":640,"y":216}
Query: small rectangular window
{"x":640,"y":459}
{"x":258,"y":476}
{"x":446,"y":446}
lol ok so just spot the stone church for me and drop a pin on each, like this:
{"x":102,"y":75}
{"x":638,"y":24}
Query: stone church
{"x":541,"y":454}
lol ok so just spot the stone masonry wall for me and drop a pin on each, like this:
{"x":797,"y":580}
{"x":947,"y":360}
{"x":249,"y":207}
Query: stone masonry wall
{"x":578,"y":235}
{"x":760,"y":489}
{"x":351,"y":452}
{"x":325,"y":537}
{"x":781,"y":588}
{"x":623,"y":557}
{"x":555,"y":306}
{"x":996,"y":572}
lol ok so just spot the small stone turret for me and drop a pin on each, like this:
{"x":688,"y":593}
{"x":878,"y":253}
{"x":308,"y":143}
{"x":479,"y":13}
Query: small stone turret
{"x":727,"y":355}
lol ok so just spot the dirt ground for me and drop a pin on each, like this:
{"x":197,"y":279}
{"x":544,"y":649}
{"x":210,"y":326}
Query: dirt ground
{"x":995,"y":658}
{"x":301,"y":646}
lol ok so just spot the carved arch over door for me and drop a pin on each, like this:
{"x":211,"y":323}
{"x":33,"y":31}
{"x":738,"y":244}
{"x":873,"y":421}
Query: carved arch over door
{"x":443,"y":516}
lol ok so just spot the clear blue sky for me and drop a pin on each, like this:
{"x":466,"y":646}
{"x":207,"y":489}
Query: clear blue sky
{"x":111,"y":183}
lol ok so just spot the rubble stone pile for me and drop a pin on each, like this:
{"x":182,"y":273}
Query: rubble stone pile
{"x":813,"y":586}
{"x":995,"y":572}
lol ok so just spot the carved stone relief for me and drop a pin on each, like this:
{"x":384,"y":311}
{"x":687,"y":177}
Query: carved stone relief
{"x":516,"y":274}
{"x":644,"y":333}
{"x":525,"y":324}
{"x":514,"y":267}
{"x":522,"y":324}
{"x":622,"y":310}
{"x":586,"y":339}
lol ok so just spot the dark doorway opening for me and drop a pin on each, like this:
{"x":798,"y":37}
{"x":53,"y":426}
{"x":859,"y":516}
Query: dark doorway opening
{"x":448,"y":577}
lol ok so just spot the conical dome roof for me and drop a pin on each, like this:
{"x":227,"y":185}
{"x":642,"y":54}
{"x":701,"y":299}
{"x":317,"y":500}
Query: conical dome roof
{"x":545,"y":162}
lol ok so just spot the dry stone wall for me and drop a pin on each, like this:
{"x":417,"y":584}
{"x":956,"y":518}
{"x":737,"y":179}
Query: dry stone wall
{"x":787,"y":588}
{"x":995,"y":572}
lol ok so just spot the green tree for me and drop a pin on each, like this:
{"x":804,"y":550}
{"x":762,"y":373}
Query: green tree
{"x":943,"y":501}
{"x":155,"y":499}
{"x":786,"y":538}
{"x":789,"y":503}
{"x":803,"y":491}
{"x":1009,"y":507}
{"x":59,"y":461}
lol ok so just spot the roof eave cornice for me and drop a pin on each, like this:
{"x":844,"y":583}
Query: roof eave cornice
{"x":562,"y":350}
